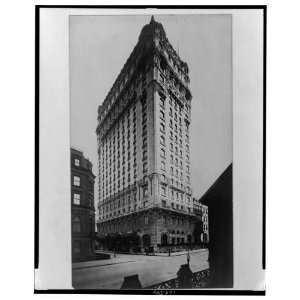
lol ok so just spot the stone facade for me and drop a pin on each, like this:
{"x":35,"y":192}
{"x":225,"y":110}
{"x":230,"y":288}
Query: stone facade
{"x":144,"y":146}
{"x":83,"y":210}
{"x":201,"y":210}
{"x":161,"y":226}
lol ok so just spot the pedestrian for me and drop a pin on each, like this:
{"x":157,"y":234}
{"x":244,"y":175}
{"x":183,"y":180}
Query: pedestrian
{"x":169,"y":251}
{"x":188,"y":257}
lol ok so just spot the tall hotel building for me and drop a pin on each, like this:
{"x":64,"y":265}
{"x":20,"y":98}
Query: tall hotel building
{"x":144,"y":146}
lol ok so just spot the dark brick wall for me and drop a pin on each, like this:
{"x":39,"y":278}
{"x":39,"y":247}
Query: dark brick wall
{"x":85,"y":211}
{"x":219,"y":201}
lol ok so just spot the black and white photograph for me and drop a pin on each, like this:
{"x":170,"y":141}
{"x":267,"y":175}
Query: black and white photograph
{"x":151,"y":148}
{"x":153,"y":115}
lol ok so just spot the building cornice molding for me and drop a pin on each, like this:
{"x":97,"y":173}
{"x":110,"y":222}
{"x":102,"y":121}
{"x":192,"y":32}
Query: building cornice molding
{"x":152,"y":41}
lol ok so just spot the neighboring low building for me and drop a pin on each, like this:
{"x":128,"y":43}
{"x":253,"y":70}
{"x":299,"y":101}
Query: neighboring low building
{"x":204,"y":220}
{"x":219,"y":202}
{"x":196,"y":207}
{"x":83,"y":211}
{"x":201,"y":211}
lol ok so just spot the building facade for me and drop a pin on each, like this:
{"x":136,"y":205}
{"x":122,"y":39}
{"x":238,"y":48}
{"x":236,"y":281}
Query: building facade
{"x":204,"y":219}
{"x":143,"y":138}
{"x":83,"y":210}
{"x":201,"y":211}
{"x":218,"y":198}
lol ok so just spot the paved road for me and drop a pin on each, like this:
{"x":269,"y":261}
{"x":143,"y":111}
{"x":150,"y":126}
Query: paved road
{"x":109,"y":274}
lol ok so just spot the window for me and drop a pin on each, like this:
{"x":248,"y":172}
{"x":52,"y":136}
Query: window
{"x":145,"y":169}
{"x":162,"y":102}
{"x":76,"y":224}
{"x":164,"y":217}
{"x":77,"y":247}
{"x":171,"y":135}
{"x":162,"y":114}
{"x":145,"y":191}
{"x":161,"y":77}
{"x":76,"y":180}
{"x":163,"y":190}
{"x":76,"y":198}
{"x":144,"y":155}
{"x":76,"y":162}
{"x":146,"y":220}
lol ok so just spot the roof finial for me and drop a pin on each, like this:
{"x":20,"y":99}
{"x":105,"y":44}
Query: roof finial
{"x":152,"y":19}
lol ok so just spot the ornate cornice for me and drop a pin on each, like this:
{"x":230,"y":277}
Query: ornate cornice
{"x":152,"y":39}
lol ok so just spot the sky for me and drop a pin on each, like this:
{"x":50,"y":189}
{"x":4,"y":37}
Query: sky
{"x":100,"y":46}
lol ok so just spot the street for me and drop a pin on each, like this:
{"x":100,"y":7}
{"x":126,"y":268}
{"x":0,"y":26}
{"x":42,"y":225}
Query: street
{"x":109,"y":274}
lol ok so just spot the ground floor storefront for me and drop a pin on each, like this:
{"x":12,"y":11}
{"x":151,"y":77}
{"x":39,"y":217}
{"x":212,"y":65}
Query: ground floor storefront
{"x":152,"y":230}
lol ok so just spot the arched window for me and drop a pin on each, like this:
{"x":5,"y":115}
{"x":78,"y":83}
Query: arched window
{"x":164,"y":239}
{"x":146,"y":240}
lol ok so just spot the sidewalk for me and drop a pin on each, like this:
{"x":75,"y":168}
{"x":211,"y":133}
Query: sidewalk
{"x":126,"y":258}
{"x":181,"y":252}
{"x":158,"y":253}
{"x":99,"y":263}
